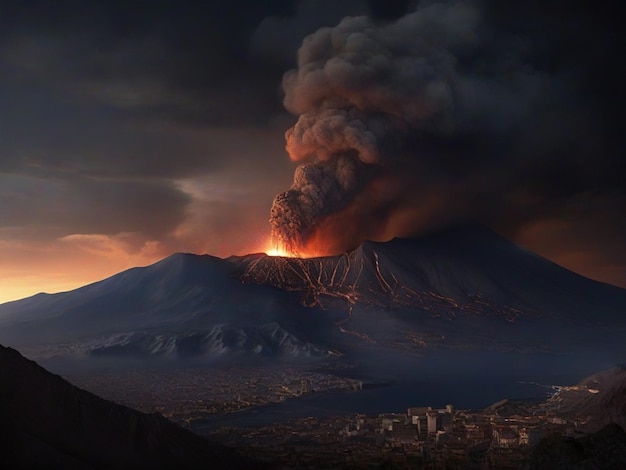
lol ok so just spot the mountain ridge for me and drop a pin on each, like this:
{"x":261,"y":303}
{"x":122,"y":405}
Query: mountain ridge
{"x":48,"y":422}
{"x":463,"y":282}
{"x":453,"y":264}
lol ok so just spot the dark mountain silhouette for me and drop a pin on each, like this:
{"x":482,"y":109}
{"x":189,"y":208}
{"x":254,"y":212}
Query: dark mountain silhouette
{"x":462,"y":287}
{"x":605,"y":449}
{"x":599,"y":398}
{"x":600,"y":402}
{"x":48,"y":423}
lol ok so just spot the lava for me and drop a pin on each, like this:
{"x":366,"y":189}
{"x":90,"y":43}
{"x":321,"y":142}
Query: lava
{"x":276,"y":248}
{"x":278,"y":251}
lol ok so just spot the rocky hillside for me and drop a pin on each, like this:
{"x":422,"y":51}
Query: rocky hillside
{"x":466,"y":268}
{"x":600,"y":399}
{"x":48,"y":423}
{"x":605,"y":449}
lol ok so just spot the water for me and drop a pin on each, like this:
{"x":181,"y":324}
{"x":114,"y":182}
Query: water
{"x":392,"y":398}
{"x":468,"y":381}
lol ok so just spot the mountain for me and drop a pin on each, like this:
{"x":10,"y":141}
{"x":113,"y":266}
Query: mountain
{"x":605,"y":449}
{"x":599,"y":398}
{"x":49,"y":423}
{"x":185,"y":304}
{"x":468,"y":267}
{"x":598,"y":404}
{"x":463,"y":287}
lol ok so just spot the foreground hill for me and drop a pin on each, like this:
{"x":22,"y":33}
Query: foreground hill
{"x":605,"y":449}
{"x":49,"y":423}
{"x":600,"y":399}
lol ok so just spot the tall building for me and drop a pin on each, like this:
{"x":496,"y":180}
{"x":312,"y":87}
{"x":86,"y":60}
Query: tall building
{"x":432,"y":417}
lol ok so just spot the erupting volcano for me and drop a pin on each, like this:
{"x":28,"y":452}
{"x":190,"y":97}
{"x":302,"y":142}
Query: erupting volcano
{"x":397,"y":130}
{"x":461,"y":287}
{"x":360,"y":109}
{"x":277,"y":249}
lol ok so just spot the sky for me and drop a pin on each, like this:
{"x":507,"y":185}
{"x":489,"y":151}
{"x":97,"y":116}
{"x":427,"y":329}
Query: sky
{"x":133,"y":130}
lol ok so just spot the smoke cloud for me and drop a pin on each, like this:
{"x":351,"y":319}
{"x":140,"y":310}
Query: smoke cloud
{"x":409,"y":98}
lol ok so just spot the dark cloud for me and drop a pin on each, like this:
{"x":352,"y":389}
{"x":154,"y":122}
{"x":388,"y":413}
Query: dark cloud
{"x":55,"y":207}
{"x":185,"y":60}
{"x":277,"y":38}
{"x":64,"y":136}
{"x":462,"y":98}
{"x":129,"y":90}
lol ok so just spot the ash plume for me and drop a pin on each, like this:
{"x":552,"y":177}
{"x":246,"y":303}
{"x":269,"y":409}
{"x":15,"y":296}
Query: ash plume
{"x":318,"y":188}
{"x":414,"y":100}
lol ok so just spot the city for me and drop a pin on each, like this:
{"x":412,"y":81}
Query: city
{"x":229,"y":406}
{"x":501,"y":436}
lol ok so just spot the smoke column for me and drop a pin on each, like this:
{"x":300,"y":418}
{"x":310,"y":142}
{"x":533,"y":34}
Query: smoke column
{"x":367,"y":94}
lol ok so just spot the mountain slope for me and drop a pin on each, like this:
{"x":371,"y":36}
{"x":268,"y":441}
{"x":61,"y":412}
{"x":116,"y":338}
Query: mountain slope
{"x":49,"y":423}
{"x":183,"y":295}
{"x":605,"y":449}
{"x":470,"y":265}
{"x":465,"y":284}
{"x":601,"y":398}
{"x":181,"y":282}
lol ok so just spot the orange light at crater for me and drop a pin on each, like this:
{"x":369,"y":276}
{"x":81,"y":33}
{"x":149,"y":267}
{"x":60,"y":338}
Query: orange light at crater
{"x":274,"y":248}
{"x":279,"y":251}
{"x":313,"y":249}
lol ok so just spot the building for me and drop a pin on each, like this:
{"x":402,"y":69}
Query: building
{"x":416,"y":412}
{"x":432,"y":417}
{"x":530,"y":435}
{"x":429,"y":421}
{"x":403,"y":434}
{"x":506,"y":437}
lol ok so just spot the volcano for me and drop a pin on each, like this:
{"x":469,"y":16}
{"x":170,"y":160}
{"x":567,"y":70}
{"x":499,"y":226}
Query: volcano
{"x":463,"y":287}
{"x":469,"y":268}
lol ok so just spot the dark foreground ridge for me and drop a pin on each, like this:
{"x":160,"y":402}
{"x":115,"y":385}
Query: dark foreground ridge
{"x":601,"y":397}
{"x":48,"y":423}
{"x":604,"y":449}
